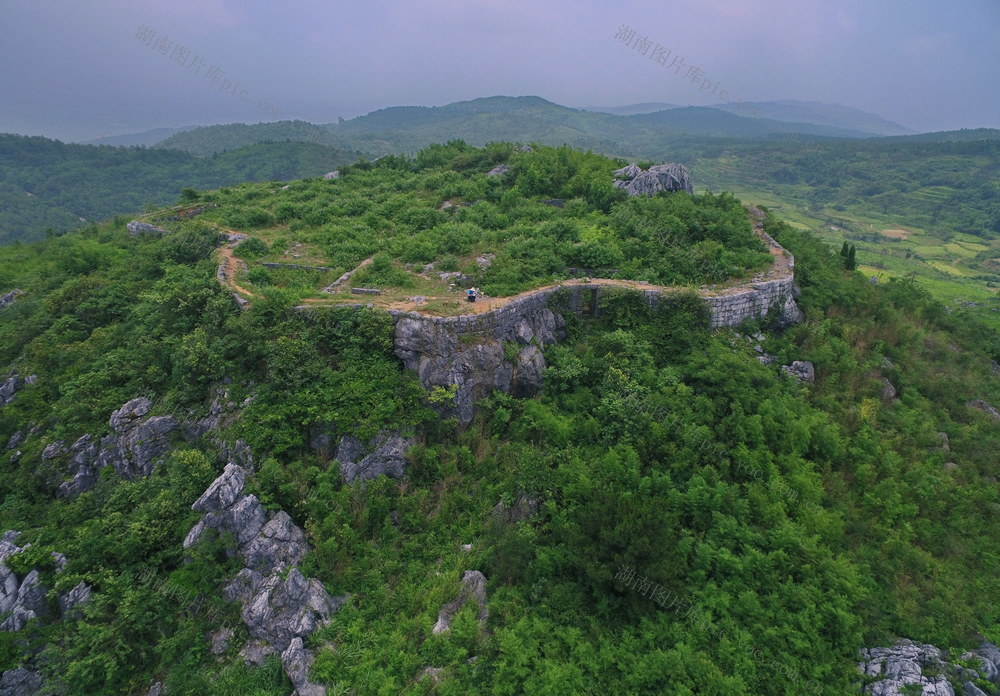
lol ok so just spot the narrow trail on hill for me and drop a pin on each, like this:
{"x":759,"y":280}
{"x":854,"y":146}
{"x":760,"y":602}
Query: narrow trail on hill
{"x":781,"y":267}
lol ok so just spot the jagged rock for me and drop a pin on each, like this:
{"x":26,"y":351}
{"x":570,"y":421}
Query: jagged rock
{"x":83,"y":467}
{"x":13,"y":384}
{"x":945,"y":446}
{"x":971,"y":689}
{"x":440,"y":359}
{"x":985,"y":407}
{"x":485,"y":261}
{"x":888,"y":392}
{"x":20,"y":682}
{"x":136,"y":444}
{"x":529,"y":369}
{"x":662,"y":177}
{"x":220,"y":641}
{"x":28,"y":604}
{"x":767,"y":359}
{"x":628,"y":173}
{"x":16,"y":439}
{"x":137,"y":227}
{"x":156,"y":689}
{"x":473,"y":587}
{"x":909,"y":663}
{"x":523,"y":508}
{"x":54,"y":450}
{"x":498,"y":170}
{"x":223,"y":491}
{"x":386,"y":454}
{"x":70,"y":602}
{"x":278,"y":604}
{"x":277,"y":610}
{"x":296,"y":661}
{"x":801,"y":369}
{"x":10,"y":298}
{"x":335,"y":174}
{"x":525,"y":148}
{"x":279,"y":544}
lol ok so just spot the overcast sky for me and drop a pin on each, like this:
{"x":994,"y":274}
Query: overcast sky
{"x":78,"y":70}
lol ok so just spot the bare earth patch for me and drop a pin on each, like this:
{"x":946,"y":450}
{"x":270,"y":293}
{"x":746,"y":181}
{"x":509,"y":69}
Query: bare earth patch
{"x":896,"y":234}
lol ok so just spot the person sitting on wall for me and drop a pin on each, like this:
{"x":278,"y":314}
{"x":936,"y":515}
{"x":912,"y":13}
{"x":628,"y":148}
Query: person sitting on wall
{"x":472,"y":294}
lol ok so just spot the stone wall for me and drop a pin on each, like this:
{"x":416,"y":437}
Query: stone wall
{"x":500,"y":349}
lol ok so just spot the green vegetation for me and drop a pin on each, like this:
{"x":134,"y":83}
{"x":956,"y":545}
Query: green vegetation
{"x":48,"y":184}
{"x":394,"y":211}
{"x":784,"y":524}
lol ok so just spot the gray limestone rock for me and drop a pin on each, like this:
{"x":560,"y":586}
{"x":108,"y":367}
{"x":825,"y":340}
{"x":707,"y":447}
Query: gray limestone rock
{"x":279,"y":544}
{"x":223,"y":491}
{"x":20,"y":682}
{"x":13,"y":384}
{"x":887,"y":392}
{"x":54,"y":450}
{"x":498,"y":170}
{"x":971,"y":689}
{"x":297,"y":661}
{"x":220,"y":641}
{"x":28,"y":604}
{"x":628,"y":173}
{"x":137,"y":227}
{"x":9,"y":298}
{"x":522,"y":509}
{"x":985,"y":407}
{"x":907,"y":663}
{"x":662,"y":177}
{"x":136,"y":444}
{"x":528,"y":372}
{"x":473,"y":588}
{"x":70,"y":602}
{"x":801,"y":369}
{"x":335,"y":174}
{"x":384,"y":455}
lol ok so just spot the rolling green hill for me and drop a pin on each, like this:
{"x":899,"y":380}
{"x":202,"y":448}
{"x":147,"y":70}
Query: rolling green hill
{"x":669,"y":512}
{"x":48,"y":184}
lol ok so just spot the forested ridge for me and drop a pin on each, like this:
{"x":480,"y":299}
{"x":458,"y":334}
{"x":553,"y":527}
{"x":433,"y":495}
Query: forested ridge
{"x":670,"y":515}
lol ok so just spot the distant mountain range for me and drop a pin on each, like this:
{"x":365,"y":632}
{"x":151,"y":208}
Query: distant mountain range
{"x":147,"y":137}
{"x":818,"y":114}
{"x":638,"y":130}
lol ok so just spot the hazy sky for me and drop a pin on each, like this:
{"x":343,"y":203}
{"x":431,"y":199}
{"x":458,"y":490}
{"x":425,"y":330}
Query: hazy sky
{"x":76,"y":70}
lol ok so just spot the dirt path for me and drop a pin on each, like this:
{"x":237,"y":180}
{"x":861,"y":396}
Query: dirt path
{"x":232,"y":268}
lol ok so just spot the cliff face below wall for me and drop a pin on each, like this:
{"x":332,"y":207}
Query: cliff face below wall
{"x":469,"y":351}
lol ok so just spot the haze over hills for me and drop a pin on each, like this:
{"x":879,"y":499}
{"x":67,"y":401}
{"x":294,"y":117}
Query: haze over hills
{"x":817,"y":113}
{"x":528,"y":118}
{"x":146,"y":137}
{"x":632,"y":109}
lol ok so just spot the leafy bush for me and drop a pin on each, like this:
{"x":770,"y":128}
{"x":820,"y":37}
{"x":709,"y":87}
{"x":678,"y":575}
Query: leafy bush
{"x":251,"y":248}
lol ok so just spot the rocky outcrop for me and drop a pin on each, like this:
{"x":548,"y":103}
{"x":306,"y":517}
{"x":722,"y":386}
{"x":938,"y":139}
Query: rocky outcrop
{"x":901,"y":669}
{"x":12,"y":384}
{"x":473,"y":588}
{"x":133,"y":448}
{"x":335,"y":174}
{"x":23,"y":598}
{"x":441,"y":358}
{"x":661,"y":177}
{"x":137,"y":442}
{"x":384,"y":455}
{"x":985,"y":407}
{"x":279,"y":605}
{"x":801,"y":369}
{"x":9,"y":298}
{"x":137,"y":227}
{"x":498,"y":170}
{"x":20,"y":682}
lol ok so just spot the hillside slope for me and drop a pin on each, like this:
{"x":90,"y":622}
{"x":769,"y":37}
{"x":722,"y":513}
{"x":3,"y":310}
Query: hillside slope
{"x":187,"y":483}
